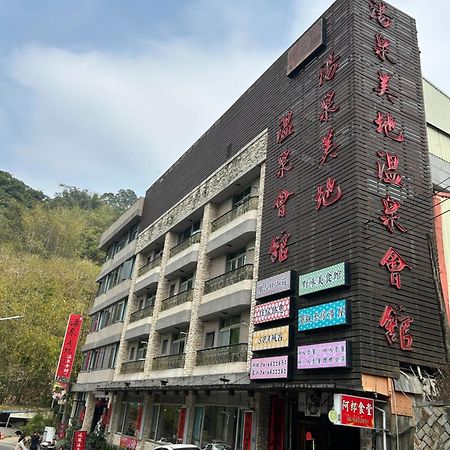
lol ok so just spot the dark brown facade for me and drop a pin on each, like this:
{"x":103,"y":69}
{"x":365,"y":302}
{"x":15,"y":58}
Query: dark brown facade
{"x":349,"y":230}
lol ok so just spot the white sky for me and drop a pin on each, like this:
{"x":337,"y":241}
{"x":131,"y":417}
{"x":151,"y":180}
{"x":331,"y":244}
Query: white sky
{"x":106,"y":95}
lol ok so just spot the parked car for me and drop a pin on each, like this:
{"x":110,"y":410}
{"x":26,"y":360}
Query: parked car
{"x":217,"y":446}
{"x":177,"y":447}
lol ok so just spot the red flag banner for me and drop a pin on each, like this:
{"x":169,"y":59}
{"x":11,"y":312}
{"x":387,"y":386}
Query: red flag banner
{"x":69,"y":347}
{"x":79,"y":440}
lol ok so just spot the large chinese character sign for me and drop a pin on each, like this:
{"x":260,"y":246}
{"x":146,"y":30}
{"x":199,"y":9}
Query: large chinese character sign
{"x":69,"y":347}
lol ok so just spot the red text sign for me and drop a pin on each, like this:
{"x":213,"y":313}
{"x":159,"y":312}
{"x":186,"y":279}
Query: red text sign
{"x":79,"y":440}
{"x":247,"y":435}
{"x":69,"y":347}
{"x":354,"y":411}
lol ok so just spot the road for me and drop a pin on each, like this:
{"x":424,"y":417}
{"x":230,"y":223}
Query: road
{"x":8,"y":444}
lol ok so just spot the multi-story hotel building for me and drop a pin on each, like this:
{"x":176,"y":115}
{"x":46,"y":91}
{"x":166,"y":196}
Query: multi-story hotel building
{"x":278,"y":287}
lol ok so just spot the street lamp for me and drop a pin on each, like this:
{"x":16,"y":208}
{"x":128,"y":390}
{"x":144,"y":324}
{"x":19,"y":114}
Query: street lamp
{"x":11,"y":318}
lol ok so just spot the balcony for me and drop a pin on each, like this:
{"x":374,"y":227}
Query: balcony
{"x":132,"y":366}
{"x":221,"y":355}
{"x":194,"y":239}
{"x":150,"y":265}
{"x":177,"y":299}
{"x":228,"y":278}
{"x":168,"y":362}
{"x":141,"y":313}
{"x":233,"y":229}
{"x":247,"y":205}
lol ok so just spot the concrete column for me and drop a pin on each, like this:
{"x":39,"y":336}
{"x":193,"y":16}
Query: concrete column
{"x":89,"y":412}
{"x":148,"y":416}
{"x":189,"y":403}
{"x":115,"y":413}
{"x":256,"y":261}
{"x":195,"y":335}
{"x":154,"y":340}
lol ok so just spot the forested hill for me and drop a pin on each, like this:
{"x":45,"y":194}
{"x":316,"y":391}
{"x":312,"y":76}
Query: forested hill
{"x":48,"y":264}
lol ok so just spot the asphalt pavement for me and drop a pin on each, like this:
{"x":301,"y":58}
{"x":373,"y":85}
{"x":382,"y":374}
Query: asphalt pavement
{"x":8,"y":443}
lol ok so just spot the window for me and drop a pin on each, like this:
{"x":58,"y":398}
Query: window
{"x":240,"y":198}
{"x":109,"y":252}
{"x":132,"y":352}
{"x":172,"y":289}
{"x":186,"y":283}
{"x":229,"y":331}
{"x":178,"y":341}
{"x":141,"y":350}
{"x":112,"y":356}
{"x":209,"y":339}
{"x":130,"y":413}
{"x":165,"y":421}
{"x":119,"y":311}
{"x":189,"y":231}
{"x":132,"y":234}
{"x":121,"y":243}
{"x":237,"y":259}
{"x":147,"y":301}
{"x":165,"y":347}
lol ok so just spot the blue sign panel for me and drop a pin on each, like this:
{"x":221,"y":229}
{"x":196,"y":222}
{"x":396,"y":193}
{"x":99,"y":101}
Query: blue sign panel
{"x":324,"y":315}
{"x":322,"y":279}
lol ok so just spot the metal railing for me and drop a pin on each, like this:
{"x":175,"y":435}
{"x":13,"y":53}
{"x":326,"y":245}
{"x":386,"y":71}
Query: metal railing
{"x":132,"y":366}
{"x":228,"y":278}
{"x":194,"y":239}
{"x":220,"y":355}
{"x":241,"y":208}
{"x":168,"y":362}
{"x":150,"y":265}
{"x":177,"y":299}
{"x":141,"y":313}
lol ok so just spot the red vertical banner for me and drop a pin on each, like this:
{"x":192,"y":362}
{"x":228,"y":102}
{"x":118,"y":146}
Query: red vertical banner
{"x":79,"y":440}
{"x":69,"y":347}
{"x":277,"y":423}
{"x":138,"y":420}
{"x":247,"y":433}
{"x":181,"y":424}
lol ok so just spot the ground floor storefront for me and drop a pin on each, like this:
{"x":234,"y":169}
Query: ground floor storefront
{"x":269,"y":419}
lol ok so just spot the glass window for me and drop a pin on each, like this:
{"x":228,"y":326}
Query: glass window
{"x":109,"y":252}
{"x":186,"y":283}
{"x":132,"y":235}
{"x":112,"y":356}
{"x":164,"y":346}
{"x":130,"y":414}
{"x":219,"y":424}
{"x":209,"y":339}
{"x":229,"y":332}
{"x":132,"y":352}
{"x":165,"y":422}
{"x":141,"y":350}
{"x":121,"y":244}
{"x":172,"y":289}
{"x":177,"y":346}
{"x":240,"y":198}
{"x":237,"y":259}
{"x":119,"y":311}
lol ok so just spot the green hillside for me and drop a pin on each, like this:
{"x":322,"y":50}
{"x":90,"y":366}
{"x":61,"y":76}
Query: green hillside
{"x":48,"y":264}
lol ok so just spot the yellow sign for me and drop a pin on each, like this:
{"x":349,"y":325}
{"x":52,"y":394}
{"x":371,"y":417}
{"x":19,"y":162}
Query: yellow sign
{"x":271,"y":338}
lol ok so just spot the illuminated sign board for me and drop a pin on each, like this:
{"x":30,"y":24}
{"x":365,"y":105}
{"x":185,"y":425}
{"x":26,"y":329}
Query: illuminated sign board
{"x":264,"y":368}
{"x":326,"y":278}
{"x":274,"y":285}
{"x":324,"y":315}
{"x":275,"y":310}
{"x":320,"y":356}
{"x":271,"y":338}
{"x":354,"y":411}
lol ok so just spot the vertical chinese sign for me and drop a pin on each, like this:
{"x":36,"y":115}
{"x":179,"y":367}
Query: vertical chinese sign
{"x":69,"y":348}
{"x":79,"y":440}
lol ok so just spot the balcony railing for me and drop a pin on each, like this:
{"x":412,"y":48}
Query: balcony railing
{"x":168,"y":362}
{"x":132,"y":366}
{"x":229,"y":278}
{"x":247,"y":205}
{"x":141,"y":313}
{"x":178,"y":299}
{"x":220,"y":355}
{"x":150,"y":265}
{"x":194,"y":239}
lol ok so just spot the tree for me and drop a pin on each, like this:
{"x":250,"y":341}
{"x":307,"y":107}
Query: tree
{"x":122,"y":200}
